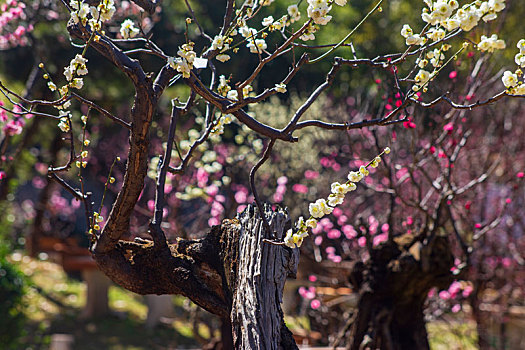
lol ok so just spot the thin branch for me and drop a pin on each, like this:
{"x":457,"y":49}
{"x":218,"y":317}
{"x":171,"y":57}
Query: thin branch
{"x":184,"y":163}
{"x":76,"y":193}
{"x":222,"y":103}
{"x":313,"y":97}
{"x":469,"y":106}
{"x":194,"y":18}
{"x":155,"y":227}
{"x":345,"y":126}
{"x":287,"y":43}
{"x":101,"y":110}
{"x":261,"y":161}
{"x":269,"y":92}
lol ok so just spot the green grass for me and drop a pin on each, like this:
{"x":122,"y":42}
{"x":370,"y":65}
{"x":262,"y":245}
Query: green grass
{"x":452,"y":335}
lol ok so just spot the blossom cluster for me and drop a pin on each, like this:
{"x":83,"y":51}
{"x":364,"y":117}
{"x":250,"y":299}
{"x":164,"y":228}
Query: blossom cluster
{"x":512,"y":80}
{"x":92,"y":15}
{"x":491,"y":43}
{"x":76,"y":67}
{"x":13,"y":126}
{"x":441,"y":12}
{"x":318,"y":11}
{"x":184,"y":63}
{"x":128,"y":29}
{"x":323,"y":207}
{"x":12,"y":23}
{"x":445,"y":16}
{"x":255,"y":39}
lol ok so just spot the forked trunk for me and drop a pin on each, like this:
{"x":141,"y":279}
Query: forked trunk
{"x":236,"y":271}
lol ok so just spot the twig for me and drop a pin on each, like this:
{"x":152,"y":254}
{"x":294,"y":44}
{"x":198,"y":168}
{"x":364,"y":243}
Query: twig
{"x":101,"y":110}
{"x":155,"y":227}
{"x":261,"y":161}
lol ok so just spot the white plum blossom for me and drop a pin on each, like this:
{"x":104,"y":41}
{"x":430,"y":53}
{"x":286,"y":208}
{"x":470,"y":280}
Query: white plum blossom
{"x":338,"y":188}
{"x":78,"y":60}
{"x":311,"y":222}
{"x":340,"y":2}
{"x":363,"y":170}
{"x":257,"y":46}
{"x":519,"y":90}
{"x":435,"y":34}
{"x":288,"y":239}
{"x":335,"y":199}
{"x":186,"y":52}
{"x":422,"y":77}
{"x":509,"y":79}
{"x":68,"y":73}
{"x":267,"y":21}
{"x":436,"y":57}
{"x":280,"y":88}
{"x":375,"y":162}
{"x":76,"y":67}
{"x":496,"y":5}
{"x":128,"y":29}
{"x":184,"y":63}
{"x":80,"y":15}
{"x":77,"y":83}
{"x":318,"y":11}
{"x":293,"y":11}
{"x":320,"y":208}
{"x":355,"y":176}
{"x":233,"y":95}
{"x":218,"y":42}
{"x":521,"y":46}
{"x":520,"y":59}
{"x":406,"y":31}
{"x":247,"y":32}
{"x":294,"y":240}
{"x":64,"y":121}
{"x":222,"y":57}
{"x":104,"y":11}
{"x":315,"y":210}
{"x":491,"y":43}
{"x":468,"y":18}
{"x":307,"y":36}
{"x":415,"y":39}
{"x":411,"y":38}
{"x":451,"y":23}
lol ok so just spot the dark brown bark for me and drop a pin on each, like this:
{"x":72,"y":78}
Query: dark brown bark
{"x":393,"y":285}
{"x":231,"y":272}
{"x":260,"y":272}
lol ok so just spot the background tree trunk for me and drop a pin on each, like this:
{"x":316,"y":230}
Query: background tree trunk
{"x":393,"y":286}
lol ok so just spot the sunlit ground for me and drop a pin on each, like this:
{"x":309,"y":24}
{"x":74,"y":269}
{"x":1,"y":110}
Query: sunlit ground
{"x":54,"y":304}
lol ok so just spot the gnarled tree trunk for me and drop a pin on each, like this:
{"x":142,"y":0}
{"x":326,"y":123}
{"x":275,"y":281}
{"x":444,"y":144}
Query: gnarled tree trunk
{"x":393,"y":285}
{"x":235,"y":272}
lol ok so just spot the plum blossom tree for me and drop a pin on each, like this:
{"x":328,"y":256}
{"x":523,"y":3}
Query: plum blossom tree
{"x":238,"y":269}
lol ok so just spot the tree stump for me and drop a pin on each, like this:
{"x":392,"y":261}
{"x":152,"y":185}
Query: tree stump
{"x":258,"y":272}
